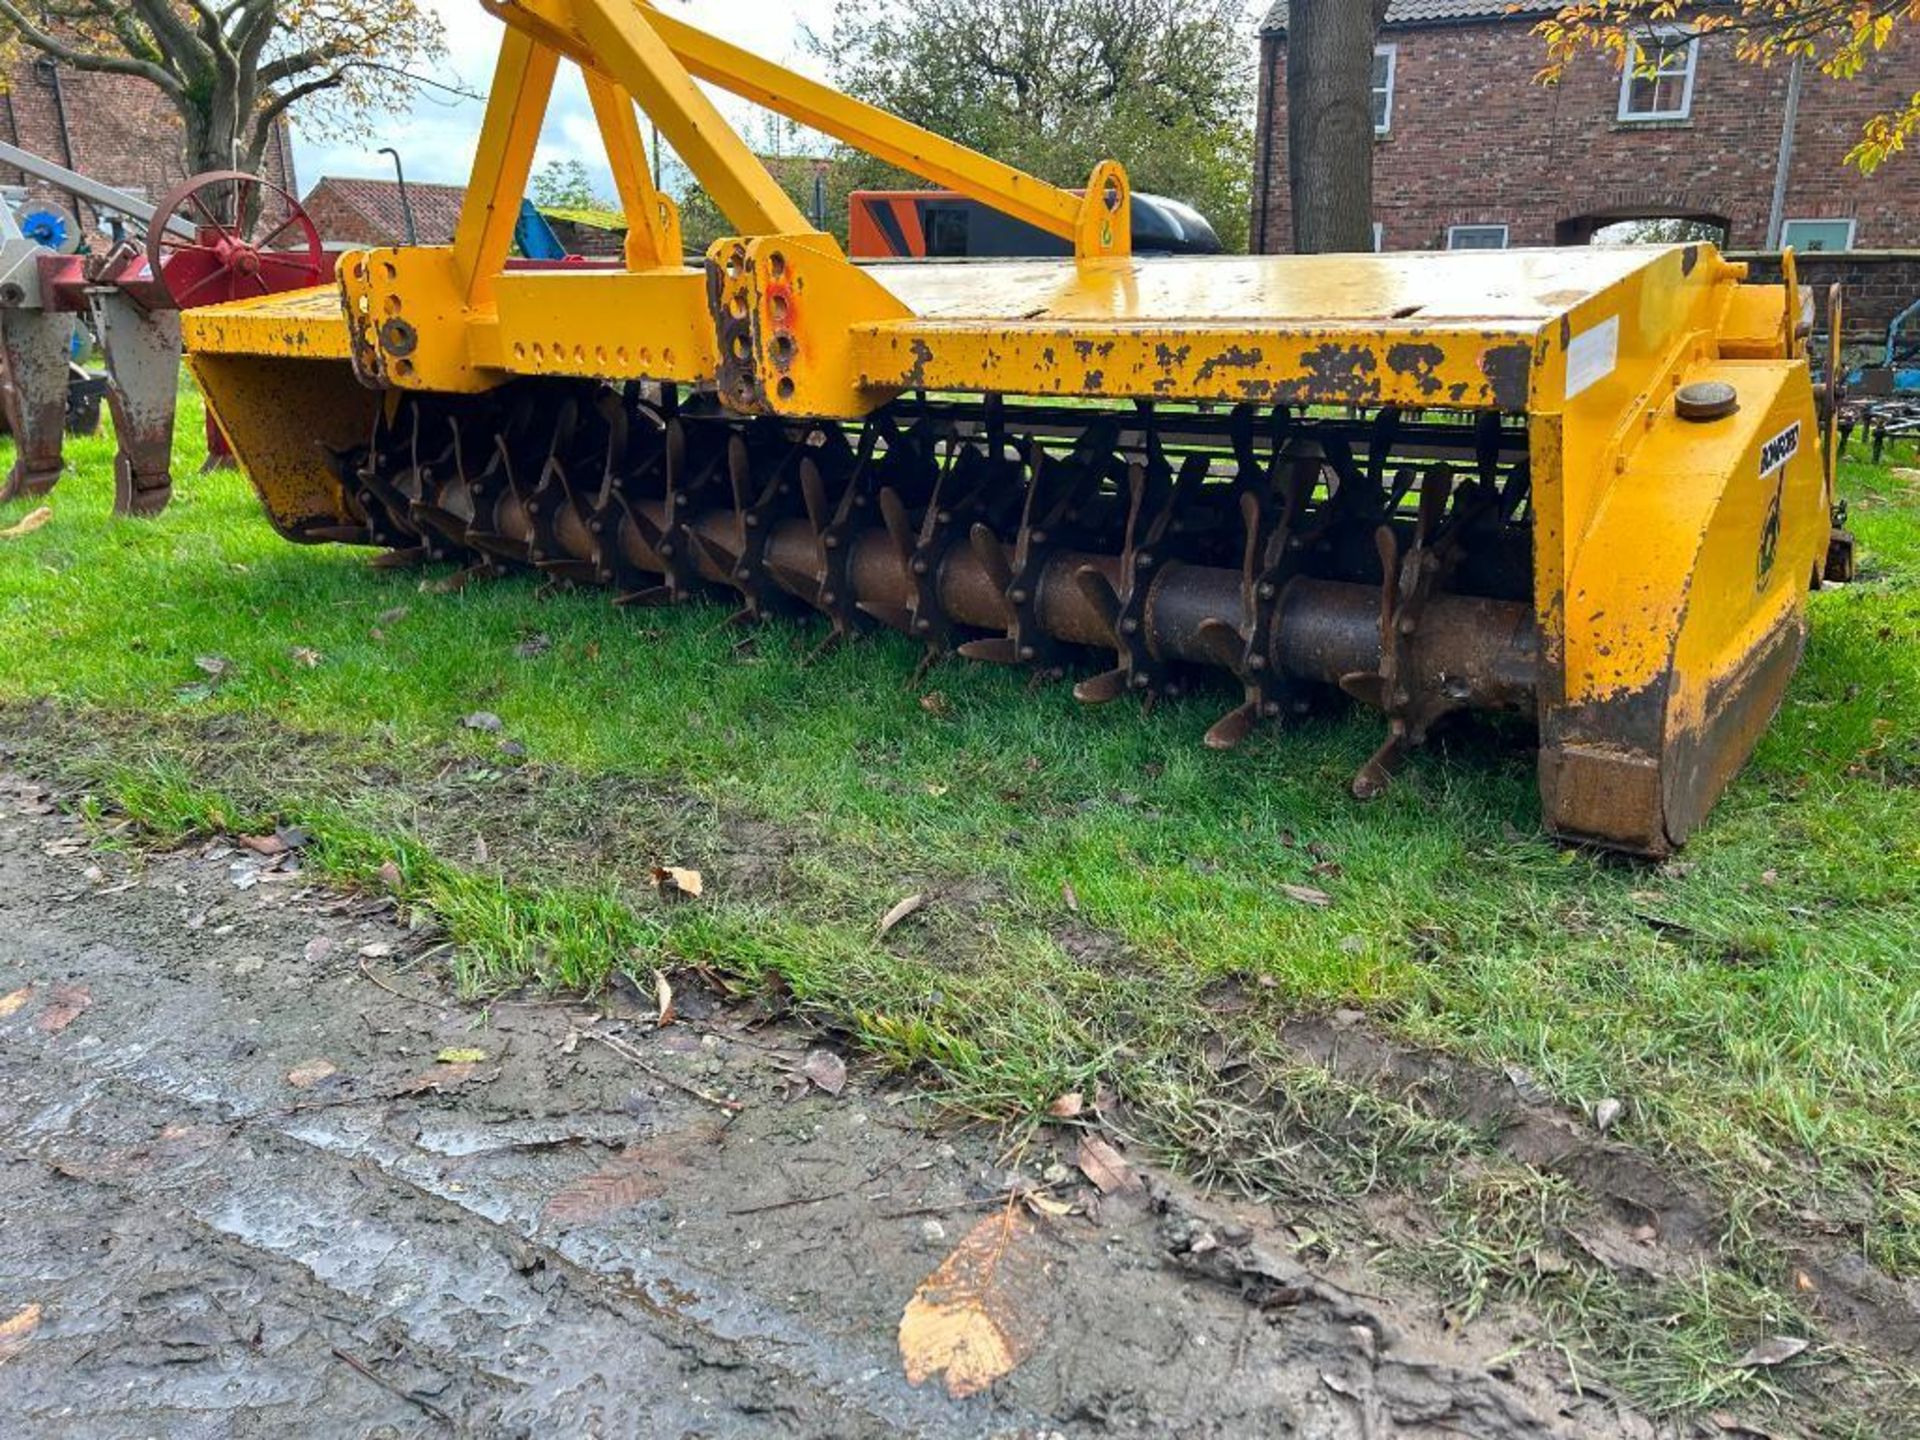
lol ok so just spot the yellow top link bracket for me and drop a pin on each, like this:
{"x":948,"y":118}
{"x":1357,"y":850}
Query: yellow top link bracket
{"x":1104,"y":230}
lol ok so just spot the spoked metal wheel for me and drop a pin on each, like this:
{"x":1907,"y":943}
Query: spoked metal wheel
{"x":228,"y":235}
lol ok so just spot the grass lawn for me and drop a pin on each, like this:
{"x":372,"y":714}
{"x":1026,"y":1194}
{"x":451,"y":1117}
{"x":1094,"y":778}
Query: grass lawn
{"x":1103,"y":894}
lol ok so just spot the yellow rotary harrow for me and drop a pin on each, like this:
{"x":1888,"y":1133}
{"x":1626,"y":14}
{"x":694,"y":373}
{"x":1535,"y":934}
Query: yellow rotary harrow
{"x":1585,"y":485}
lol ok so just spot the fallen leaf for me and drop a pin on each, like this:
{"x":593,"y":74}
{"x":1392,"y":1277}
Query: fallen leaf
{"x":28,"y":523}
{"x":318,"y":949}
{"x":934,"y":702}
{"x":1070,"y":895}
{"x":1105,"y":1166}
{"x":1774,"y":1351}
{"x":663,"y":998}
{"x":1307,"y":895}
{"x":378,"y":950}
{"x":15,"y":1333}
{"x":214,"y":665}
{"x":311,"y":1073}
{"x":900,"y":912}
{"x":674,"y":881}
{"x":639,"y":1172}
{"x":440,"y":1078}
{"x":1606,"y":1113}
{"x":825,"y":1069}
{"x":571,"y":1043}
{"x":264,"y":844}
{"x":976,"y":1317}
{"x":482,"y":720}
{"x":460,"y":1055}
{"x":14,"y":1000}
{"x":393,"y":616}
{"x":447,"y":584}
{"x":1041,"y":1203}
{"x":390,"y":875}
{"x":1067,"y":1106}
{"x":64,"y":1005}
{"x":306,"y":656}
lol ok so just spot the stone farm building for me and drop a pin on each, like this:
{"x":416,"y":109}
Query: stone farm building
{"x":1472,"y":151}
{"x":116,"y":129}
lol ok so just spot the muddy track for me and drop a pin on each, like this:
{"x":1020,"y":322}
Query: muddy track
{"x":1645,"y":1218}
{"x":562,"y":1239}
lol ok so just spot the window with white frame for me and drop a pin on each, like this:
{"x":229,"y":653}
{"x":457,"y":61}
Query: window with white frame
{"x":1476,"y":237}
{"x":1385,"y":59}
{"x":1657,"y":82}
{"x":1805,"y":235}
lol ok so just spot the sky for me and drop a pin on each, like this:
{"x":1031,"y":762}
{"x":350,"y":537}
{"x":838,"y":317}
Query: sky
{"x":436,"y":136}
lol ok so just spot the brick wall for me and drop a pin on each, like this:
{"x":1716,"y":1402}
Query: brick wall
{"x":1877,"y":285}
{"x":1475,"y":140}
{"x":123,"y":132}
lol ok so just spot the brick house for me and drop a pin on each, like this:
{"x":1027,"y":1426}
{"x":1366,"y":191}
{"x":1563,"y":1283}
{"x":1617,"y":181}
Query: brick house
{"x":116,"y":129}
{"x":1472,"y":151}
{"x":351,"y":211}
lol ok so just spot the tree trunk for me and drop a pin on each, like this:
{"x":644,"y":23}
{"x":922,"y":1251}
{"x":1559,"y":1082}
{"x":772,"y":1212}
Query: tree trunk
{"x":1330,"y":122}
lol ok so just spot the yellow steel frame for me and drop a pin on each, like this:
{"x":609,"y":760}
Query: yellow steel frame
{"x":1670,"y":567}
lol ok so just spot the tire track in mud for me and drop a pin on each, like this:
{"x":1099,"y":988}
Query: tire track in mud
{"x":756,"y":1293}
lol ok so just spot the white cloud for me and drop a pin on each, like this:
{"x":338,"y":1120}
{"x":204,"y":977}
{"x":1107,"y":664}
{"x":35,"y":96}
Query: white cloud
{"x":437,"y":136}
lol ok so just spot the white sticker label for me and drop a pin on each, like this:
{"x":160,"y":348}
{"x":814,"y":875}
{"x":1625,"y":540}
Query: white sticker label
{"x":1592,"y":354}
{"x":1780,"y":449}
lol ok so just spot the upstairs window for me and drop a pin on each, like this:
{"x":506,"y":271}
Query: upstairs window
{"x":1657,"y":84}
{"x":1384,"y":57}
{"x":1809,"y":235}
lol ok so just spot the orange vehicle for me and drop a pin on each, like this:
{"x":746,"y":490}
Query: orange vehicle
{"x":945,"y":225}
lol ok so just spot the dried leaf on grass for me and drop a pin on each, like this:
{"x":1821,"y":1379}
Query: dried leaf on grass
{"x":1307,"y":895}
{"x":901,"y":911}
{"x":676,"y":882}
{"x":978,"y":1316}
{"x":1105,"y":1166}
{"x":825,"y":1069}
{"x":15,"y":1332}
{"x":264,"y":844}
{"x":663,"y":998}
{"x":1775,"y":1351}
{"x":27,"y":523}
{"x":63,"y":1007}
{"x":14,"y":1000}
{"x":482,"y":720}
{"x":1067,"y":1106}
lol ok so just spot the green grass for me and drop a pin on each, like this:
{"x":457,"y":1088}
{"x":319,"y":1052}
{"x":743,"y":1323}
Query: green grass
{"x":1753,"y":1003}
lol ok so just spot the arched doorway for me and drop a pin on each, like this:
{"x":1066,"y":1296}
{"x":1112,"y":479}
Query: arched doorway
{"x":1643,"y":225}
